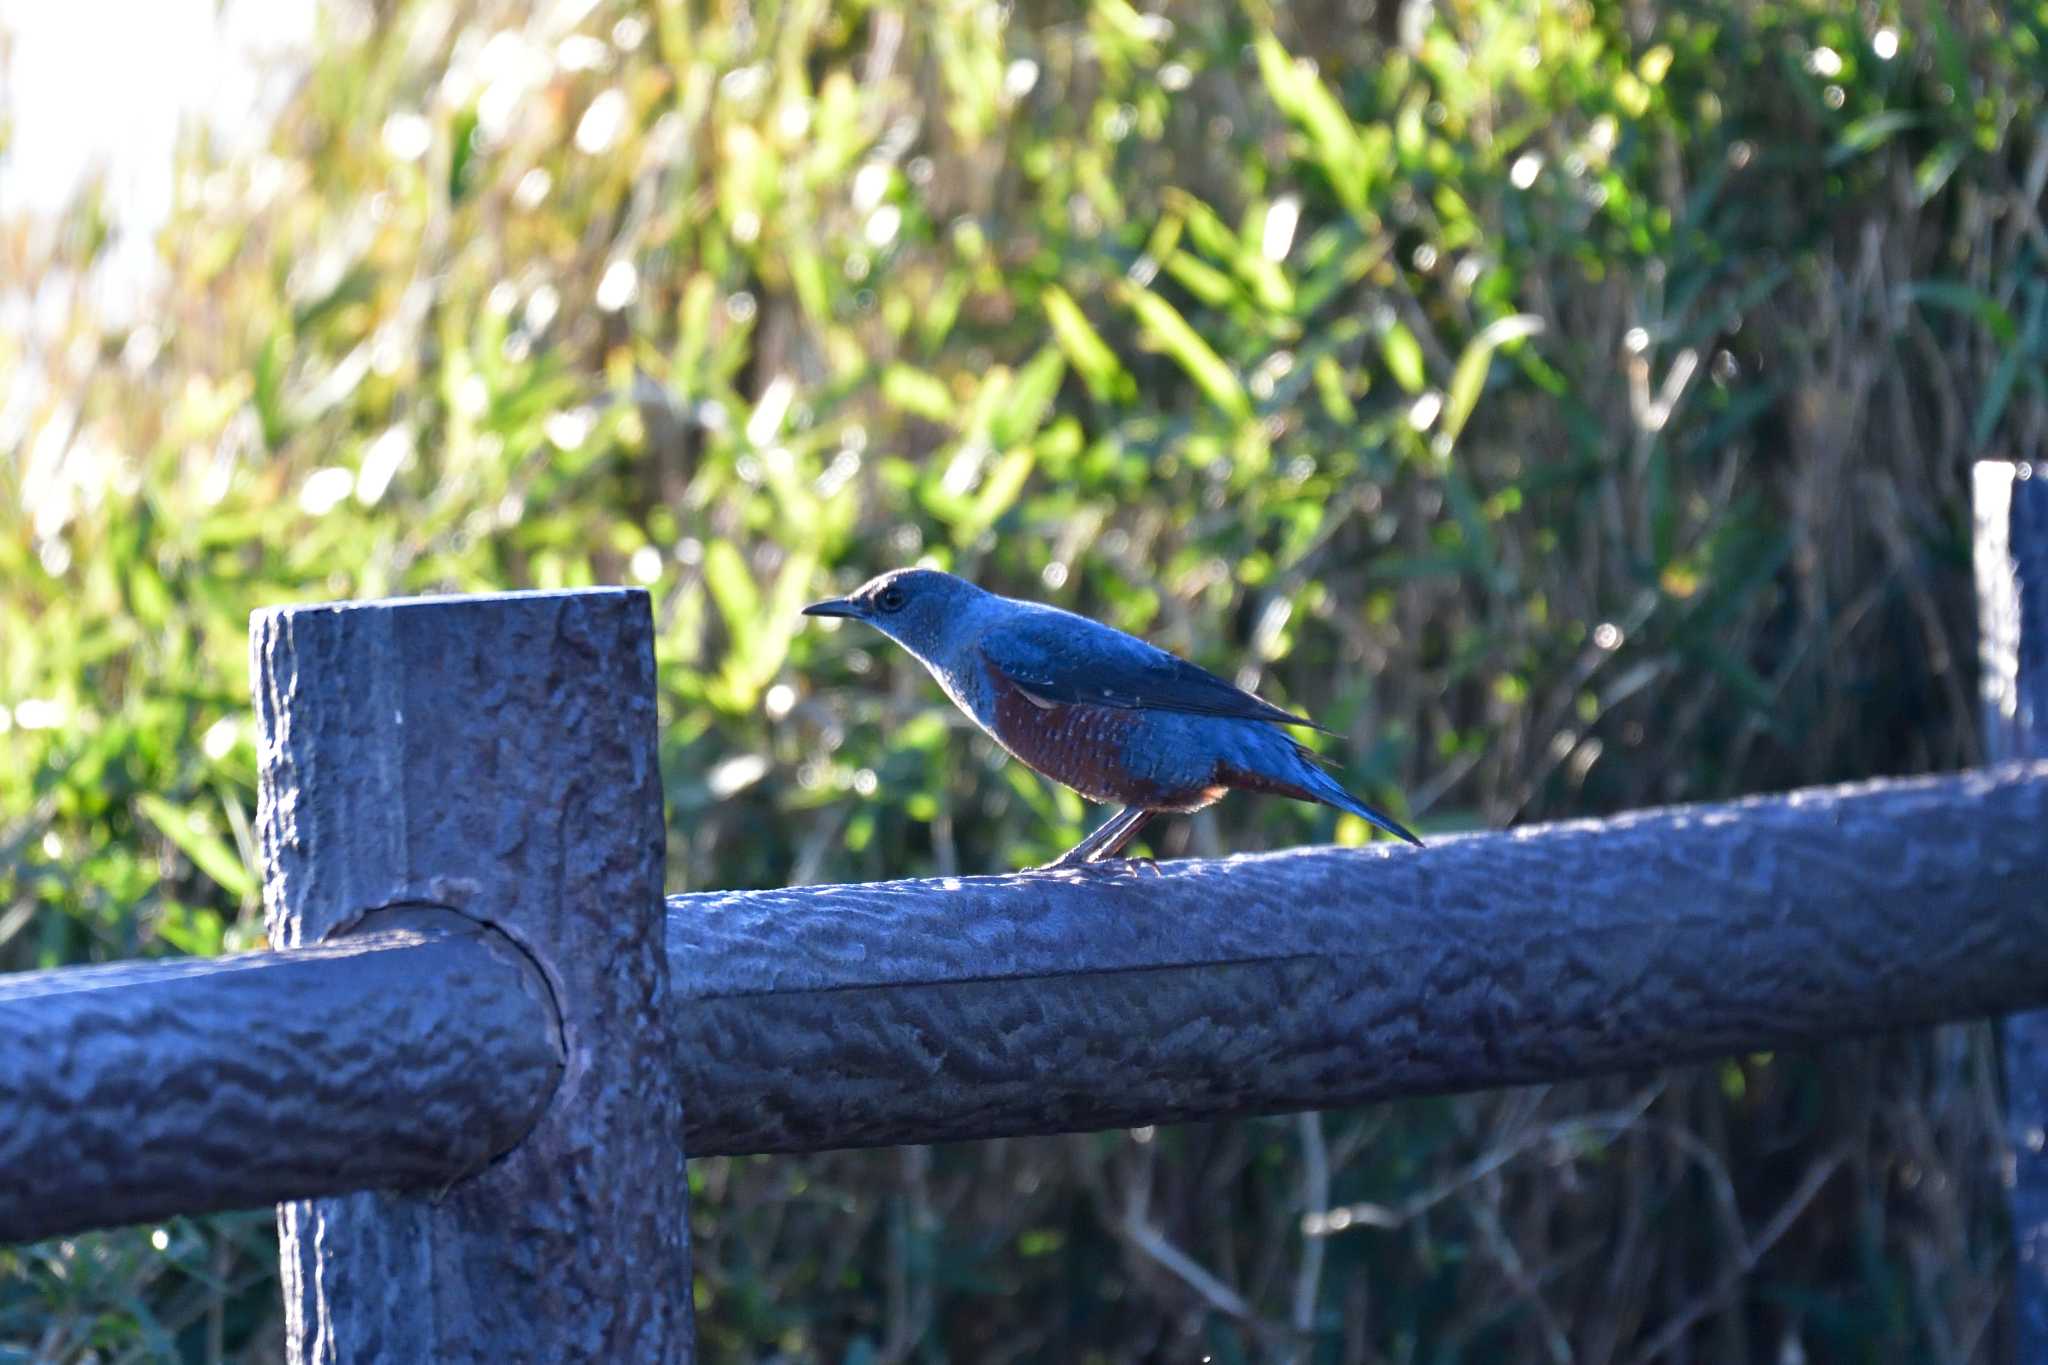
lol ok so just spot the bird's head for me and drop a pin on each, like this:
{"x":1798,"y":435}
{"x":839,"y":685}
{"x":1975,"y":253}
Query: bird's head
{"x":923,"y":610}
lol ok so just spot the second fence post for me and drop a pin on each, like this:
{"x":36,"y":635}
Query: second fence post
{"x":494,"y":756}
{"x":2012,"y":614}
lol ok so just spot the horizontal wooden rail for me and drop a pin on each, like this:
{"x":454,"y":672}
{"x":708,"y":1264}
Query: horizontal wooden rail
{"x":405,"y":1057}
{"x":928,"y":1011}
{"x":935,"y":1010}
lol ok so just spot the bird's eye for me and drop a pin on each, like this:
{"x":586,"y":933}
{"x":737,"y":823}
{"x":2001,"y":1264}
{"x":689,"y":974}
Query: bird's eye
{"x":890,"y":599}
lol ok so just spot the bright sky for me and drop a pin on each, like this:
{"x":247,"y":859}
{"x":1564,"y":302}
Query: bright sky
{"x":109,"y":83}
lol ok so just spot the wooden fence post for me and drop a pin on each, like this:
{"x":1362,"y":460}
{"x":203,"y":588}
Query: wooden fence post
{"x":2012,"y":607}
{"x":494,"y":756}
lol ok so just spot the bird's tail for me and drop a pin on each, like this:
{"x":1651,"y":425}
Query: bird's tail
{"x":1325,"y":789}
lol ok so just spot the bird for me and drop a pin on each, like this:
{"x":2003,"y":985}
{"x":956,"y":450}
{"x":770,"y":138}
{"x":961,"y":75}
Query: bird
{"x":1120,"y":721}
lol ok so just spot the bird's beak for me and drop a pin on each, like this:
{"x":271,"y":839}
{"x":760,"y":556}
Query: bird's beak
{"x":834,"y":606}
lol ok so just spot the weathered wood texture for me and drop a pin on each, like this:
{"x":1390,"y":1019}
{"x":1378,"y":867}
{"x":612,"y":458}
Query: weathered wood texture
{"x":410,"y":1056}
{"x":495,"y":756}
{"x":2012,"y":610}
{"x":925,"y":1011}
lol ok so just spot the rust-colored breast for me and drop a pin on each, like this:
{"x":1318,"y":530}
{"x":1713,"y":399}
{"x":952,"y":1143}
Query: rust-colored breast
{"x":1082,"y":746}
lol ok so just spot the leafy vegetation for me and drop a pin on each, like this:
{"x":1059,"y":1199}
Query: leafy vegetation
{"x":1570,"y":404}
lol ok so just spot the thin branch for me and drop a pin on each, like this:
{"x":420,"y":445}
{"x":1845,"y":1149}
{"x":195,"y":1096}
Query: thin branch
{"x":1730,"y":1281}
{"x":1564,"y":1133}
{"x":1315,"y":1198}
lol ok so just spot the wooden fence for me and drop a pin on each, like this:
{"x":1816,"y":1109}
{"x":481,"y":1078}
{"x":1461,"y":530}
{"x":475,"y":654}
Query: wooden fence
{"x":471,"y":1069}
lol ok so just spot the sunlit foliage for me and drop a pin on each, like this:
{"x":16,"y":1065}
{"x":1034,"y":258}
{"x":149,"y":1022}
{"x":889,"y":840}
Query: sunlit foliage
{"x":1570,"y":404}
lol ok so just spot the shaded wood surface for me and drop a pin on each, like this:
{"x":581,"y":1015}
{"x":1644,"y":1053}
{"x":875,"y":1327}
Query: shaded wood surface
{"x":495,"y":756}
{"x":934,"y":1010}
{"x":408,"y":1056}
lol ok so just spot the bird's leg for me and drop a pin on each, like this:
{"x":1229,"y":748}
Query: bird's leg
{"x":1106,"y":841}
{"x":1125,"y":836}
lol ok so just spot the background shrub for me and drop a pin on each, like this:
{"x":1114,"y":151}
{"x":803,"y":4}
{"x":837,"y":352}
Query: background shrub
{"x":1570,"y":404}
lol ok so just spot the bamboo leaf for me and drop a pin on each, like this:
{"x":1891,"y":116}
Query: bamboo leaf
{"x":1201,"y":279}
{"x":1170,"y":332}
{"x":1870,"y":132}
{"x":732,"y":587}
{"x":1961,"y":298}
{"x":1469,"y":378}
{"x":998,"y":493}
{"x":918,"y":393}
{"x":1403,"y":355}
{"x":1085,"y":349}
{"x":209,"y":852}
{"x":1334,"y":139}
{"x":1031,"y":393}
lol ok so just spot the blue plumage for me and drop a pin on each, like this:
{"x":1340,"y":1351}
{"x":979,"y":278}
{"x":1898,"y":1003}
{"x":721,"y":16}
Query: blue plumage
{"x":1113,"y":717}
{"x":1072,"y":659}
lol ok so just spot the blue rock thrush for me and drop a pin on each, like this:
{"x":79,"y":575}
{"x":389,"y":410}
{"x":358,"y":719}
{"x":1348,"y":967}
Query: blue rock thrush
{"x":1120,"y":721}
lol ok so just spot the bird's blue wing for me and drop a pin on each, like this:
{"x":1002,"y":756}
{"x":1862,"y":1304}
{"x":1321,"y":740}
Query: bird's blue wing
{"x":1063,"y":659}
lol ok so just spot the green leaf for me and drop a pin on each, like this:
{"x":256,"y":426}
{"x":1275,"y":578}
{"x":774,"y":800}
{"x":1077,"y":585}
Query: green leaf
{"x":785,"y":613}
{"x":1031,"y":393}
{"x":1085,"y":349}
{"x":693,"y":332}
{"x":1170,"y":332}
{"x":1334,"y":140}
{"x":916,"y":392}
{"x":1330,"y":385}
{"x":1961,"y":298}
{"x":1469,"y":378}
{"x":999,"y":490}
{"x":1201,"y":279}
{"x":760,"y":630}
{"x":989,"y":400}
{"x":1934,"y":170}
{"x":1998,"y":392}
{"x":209,"y":852}
{"x":1205,"y":227}
{"x":1871,"y":131}
{"x":732,"y":587}
{"x":1404,"y":357}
